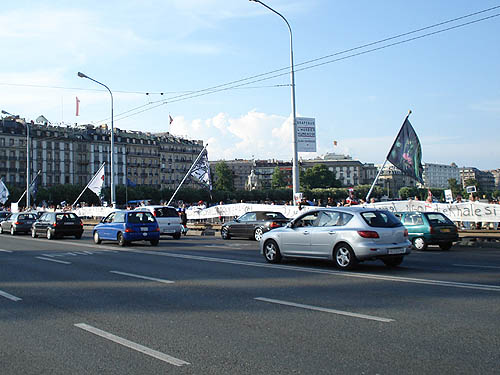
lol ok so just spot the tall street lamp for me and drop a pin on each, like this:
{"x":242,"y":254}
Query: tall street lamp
{"x":113,"y":200}
{"x":27,"y":160}
{"x":295,"y":166}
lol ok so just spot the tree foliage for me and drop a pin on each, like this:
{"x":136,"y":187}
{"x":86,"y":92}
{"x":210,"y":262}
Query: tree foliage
{"x":224,"y":177}
{"x":319,"y":176}
{"x":278,"y":180}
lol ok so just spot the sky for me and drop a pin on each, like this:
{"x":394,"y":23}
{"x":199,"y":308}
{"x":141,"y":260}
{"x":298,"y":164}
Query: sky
{"x":184,"y":48}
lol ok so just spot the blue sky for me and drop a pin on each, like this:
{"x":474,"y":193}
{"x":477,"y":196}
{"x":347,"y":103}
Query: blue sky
{"x":451,"y":81}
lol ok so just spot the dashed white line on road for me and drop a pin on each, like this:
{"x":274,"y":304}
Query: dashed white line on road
{"x":53,"y":260}
{"x":322,"y":309}
{"x":10,"y":296}
{"x":476,"y":266}
{"x":6,"y":251}
{"x":143,"y":277}
{"x":132,"y":345}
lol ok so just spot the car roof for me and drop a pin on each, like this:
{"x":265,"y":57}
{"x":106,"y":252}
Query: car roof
{"x":154,"y":206}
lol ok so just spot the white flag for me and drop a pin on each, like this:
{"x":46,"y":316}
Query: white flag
{"x":97,"y":181}
{"x":4,"y":192}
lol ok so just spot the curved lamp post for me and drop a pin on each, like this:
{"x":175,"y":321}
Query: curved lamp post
{"x":113,"y":200}
{"x":295,"y":166}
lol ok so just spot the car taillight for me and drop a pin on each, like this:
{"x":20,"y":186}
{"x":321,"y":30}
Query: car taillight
{"x":54,"y":225}
{"x":274,"y":225}
{"x":81,"y":224}
{"x":154,"y":213}
{"x":17,"y":223}
{"x":406,"y":232}
{"x":368,"y":234}
{"x":432,"y":230}
{"x":157,"y":229}
{"x":129,"y":230}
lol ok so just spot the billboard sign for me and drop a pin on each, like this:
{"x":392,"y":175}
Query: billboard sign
{"x":306,"y":134}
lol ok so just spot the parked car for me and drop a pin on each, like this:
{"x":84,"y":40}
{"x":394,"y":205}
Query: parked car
{"x":127,"y":226}
{"x":429,"y":228}
{"x":253,"y":225}
{"x":346,"y":235}
{"x":4,"y":215}
{"x":168,"y":219}
{"x":19,"y":222}
{"x":57,"y":224}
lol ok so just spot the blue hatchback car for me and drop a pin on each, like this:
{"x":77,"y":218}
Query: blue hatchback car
{"x":127,"y":226}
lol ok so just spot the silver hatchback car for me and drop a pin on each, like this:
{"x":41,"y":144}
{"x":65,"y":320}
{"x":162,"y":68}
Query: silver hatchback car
{"x":346,"y":235}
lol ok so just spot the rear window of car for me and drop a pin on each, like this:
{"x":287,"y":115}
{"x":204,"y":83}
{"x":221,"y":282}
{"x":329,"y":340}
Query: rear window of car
{"x":437,"y":218}
{"x":140,"y":218}
{"x":26,"y":217}
{"x":166,"y":212}
{"x":66,"y":217}
{"x":381,"y":219}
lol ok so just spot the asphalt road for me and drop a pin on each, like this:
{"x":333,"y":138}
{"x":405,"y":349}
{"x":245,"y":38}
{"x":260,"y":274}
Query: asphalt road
{"x":201,"y":305}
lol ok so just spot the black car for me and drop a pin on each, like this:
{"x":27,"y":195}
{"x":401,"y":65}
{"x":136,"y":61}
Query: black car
{"x":253,"y":224}
{"x":57,"y":224}
{"x":19,"y":222}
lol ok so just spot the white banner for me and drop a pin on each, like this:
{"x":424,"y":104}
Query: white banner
{"x":306,"y":134}
{"x":468,"y":211}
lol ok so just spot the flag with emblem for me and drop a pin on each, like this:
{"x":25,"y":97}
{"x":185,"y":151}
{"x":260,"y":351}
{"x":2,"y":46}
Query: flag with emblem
{"x":97,"y":181}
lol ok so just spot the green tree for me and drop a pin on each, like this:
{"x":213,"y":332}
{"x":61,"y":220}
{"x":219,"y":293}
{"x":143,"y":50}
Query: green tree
{"x":224,"y":180}
{"x":455,"y":187}
{"x":319,"y":176}
{"x":278,"y":179}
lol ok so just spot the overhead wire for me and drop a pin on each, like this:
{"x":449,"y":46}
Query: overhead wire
{"x":242,"y":82}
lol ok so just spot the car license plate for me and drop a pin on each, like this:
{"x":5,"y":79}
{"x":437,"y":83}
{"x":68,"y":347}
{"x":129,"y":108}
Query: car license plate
{"x":144,"y":229}
{"x":29,"y":222}
{"x":397,"y":250}
{"x":169,"y":231}
{"x":144,"y":234}
{"x":68,"y":223}
{"x":445,"y":230}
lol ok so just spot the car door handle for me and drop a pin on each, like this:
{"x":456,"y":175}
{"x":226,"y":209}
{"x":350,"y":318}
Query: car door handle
{"x":306,"y":232}
{"x":331,"y":232}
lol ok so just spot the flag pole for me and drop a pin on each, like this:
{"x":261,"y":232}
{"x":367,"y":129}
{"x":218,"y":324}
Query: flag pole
{"x":187,"y":174}
{"x":85,"y":188}
{"x":31,"y":183}
{"x":383,"y":165}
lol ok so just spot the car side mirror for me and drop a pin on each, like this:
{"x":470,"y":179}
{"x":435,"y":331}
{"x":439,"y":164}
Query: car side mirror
{"x":102,"y":220}
{"x":289,"y":224}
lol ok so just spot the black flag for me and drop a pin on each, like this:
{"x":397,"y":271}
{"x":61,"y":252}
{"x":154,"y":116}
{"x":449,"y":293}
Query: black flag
{"x":406,"y":152}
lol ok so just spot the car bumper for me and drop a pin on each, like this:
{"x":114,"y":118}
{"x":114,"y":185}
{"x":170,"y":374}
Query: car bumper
{"x":141,"y":236}
{"x":373,"y":250}
{"x":171,"y":229}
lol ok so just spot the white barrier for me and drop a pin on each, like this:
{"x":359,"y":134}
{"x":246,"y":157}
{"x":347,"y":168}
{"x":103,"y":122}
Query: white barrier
{"x":94,"y":211}
{"x":468,"y":211}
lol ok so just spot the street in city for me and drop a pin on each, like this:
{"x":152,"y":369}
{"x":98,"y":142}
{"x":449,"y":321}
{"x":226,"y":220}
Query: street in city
{"x":201,"y":305}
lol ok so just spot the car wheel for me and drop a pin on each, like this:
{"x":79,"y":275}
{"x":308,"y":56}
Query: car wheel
{"x":393,"y":262}
{"x":78,"y":236}
{"x":154,"y":242}
{"x":121,"y":240}
{"x":97,"y":239}
{"x":344,"y":257}
{"x":446,"y":246}
{"x":272,"y":252}
{"x":177,"y":236}
{"x":50,"y":236}
{"x":419,"y":243}
{"x":12,"y":231}
{"x":33,"y":233}
{"x":258,"y":234}
{"x":224,"y":232}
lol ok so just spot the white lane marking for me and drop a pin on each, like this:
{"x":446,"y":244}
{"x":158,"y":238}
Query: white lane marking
{"x":475,"y":266}
{"x":132,"y":345}
{"x":451,"y":284}
{"x":6,"y":251}
{"x":323,"y":309}
{"x":143,"y":277}
{"x":10,"y":296}
{"x":53,"y":260}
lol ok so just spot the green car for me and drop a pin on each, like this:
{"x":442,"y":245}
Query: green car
{"x":429,"y":228}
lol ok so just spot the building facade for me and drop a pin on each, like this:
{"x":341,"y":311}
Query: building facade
{"x":486,"y":179}
{"x":437,"y":175}
{"x":71,"y":155}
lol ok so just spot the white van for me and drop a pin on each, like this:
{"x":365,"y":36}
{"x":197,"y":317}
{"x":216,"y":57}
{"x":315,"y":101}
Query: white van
{"x":168,"y":219}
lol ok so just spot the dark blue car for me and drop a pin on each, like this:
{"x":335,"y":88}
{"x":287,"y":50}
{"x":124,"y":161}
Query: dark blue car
{"x":127,"y":226}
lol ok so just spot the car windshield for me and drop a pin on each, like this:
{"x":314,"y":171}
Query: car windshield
{"x":140,"y":218}
{"x":381,"y":219}
{"x":437,"y":218}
